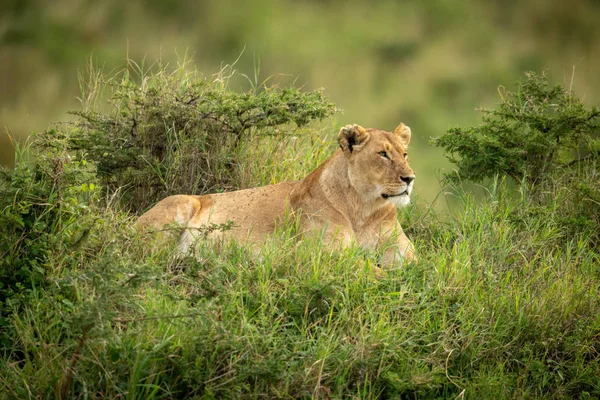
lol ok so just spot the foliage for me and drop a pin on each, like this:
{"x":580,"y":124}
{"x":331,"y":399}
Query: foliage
{"x":47,"y":209}
{"x":179,"y":132}
{"x":540,"y":136}
{"x":492,"y":310}
{"x":504,"y":302}
{"x":533,"y":132}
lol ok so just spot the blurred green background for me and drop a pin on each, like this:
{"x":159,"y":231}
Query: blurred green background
{"x":427,"y":63}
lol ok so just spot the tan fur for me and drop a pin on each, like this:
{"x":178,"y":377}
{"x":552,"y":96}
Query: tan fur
{"x":352,"y":197}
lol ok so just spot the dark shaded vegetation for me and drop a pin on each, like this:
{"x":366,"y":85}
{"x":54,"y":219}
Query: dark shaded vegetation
{"x":48,"y":208}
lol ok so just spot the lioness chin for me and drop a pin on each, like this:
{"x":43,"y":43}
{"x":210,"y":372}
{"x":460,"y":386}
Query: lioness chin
{"x":351,"y":198}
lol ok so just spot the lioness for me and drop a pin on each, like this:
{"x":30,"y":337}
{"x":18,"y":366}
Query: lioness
{"x":352,"y":197}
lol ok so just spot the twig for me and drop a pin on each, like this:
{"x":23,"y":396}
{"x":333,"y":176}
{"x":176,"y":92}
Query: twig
{"x":64,"y":385}
{"x":512,"y":175}
{"x":124,"y":320}
{"x":448,"y":375}
{"x":586,"y":158}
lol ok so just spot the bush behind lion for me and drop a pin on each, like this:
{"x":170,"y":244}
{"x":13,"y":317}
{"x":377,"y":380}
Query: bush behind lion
{"x":174,"y":131}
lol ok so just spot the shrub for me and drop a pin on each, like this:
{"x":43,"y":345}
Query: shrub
{"x":533,"y":132}
{"x":47,"y":209}
{"x":177,"y":132}
{"x":542,"y":137}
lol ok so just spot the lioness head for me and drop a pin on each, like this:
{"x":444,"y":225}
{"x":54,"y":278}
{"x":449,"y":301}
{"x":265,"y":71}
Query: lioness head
{"x":378,"y":162}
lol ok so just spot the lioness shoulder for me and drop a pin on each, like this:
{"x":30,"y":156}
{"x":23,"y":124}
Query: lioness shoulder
{"x":351,"y":197}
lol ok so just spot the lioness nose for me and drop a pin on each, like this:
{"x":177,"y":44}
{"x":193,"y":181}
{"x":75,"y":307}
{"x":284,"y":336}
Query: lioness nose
{"x":407,"y":179}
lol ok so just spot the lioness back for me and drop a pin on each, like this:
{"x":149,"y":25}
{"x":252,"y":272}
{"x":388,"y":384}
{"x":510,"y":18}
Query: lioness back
{"x":254,"y":212}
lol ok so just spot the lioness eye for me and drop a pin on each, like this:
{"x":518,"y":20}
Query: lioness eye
{"x":383,"y":154}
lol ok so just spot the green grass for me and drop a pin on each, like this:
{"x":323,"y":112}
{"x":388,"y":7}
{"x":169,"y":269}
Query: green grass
{"x":496,"y":307}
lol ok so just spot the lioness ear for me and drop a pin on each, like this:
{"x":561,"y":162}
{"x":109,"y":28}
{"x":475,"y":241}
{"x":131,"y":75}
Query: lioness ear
{"x":351,"y":137}
{"x":404,"y":132}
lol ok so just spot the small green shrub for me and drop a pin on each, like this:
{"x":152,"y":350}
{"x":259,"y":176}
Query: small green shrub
{"x":533,"y":132}
{"x":47,"y":209}
{"x":177,"y":132}
{"x":544,"y":138}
